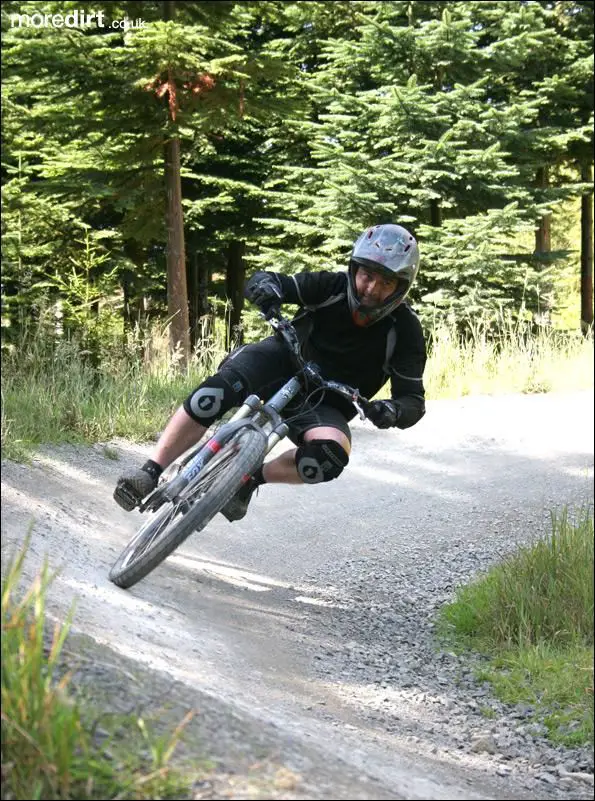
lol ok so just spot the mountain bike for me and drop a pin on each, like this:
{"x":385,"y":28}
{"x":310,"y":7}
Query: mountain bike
{"x":191,"y":493}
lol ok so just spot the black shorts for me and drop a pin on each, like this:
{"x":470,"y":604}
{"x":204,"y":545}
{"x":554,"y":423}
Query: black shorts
{"x":264,"y":367}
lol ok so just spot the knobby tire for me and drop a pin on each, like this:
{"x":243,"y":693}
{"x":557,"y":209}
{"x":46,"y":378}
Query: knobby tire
{"x":169,"y":526}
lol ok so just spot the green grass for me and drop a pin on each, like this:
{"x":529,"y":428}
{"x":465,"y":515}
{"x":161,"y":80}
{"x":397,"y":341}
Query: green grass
{"x":532,"y":616}
{"x":48,"y":750}
{"x":512,"y":359}
{"x":51,"y":394}
{"x":557,"y":681}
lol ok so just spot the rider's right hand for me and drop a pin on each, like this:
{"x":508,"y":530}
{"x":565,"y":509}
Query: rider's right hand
{"x":263,"y":291}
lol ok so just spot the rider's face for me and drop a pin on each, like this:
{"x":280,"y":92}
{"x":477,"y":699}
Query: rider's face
{"x":373,"y":288}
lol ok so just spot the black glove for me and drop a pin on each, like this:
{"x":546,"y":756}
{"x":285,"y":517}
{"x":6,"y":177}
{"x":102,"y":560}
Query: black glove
{"x":263,"y":291}
{"x":384,"y":413}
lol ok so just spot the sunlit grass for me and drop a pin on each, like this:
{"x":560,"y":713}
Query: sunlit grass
{"x":533,"y":616}
{"x":512,"y":359}
{"x":48,"y":751}
{"x":52,"y":394}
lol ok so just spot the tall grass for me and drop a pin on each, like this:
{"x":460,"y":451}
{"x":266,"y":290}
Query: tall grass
{"x":508,"y":357}
{"x":533,"y":616}
{"x":544,"y":592}
{"x":40,"y":728}
{"x":47,"y":749}
{"x":52,"y":393}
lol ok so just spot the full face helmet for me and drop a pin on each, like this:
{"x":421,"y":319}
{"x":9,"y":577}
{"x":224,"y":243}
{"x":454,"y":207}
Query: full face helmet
{"x":392,"y":251}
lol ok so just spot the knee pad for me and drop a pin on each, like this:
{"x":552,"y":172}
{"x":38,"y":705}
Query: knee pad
{"x":215,"y":396}
{"x":320,"y":460}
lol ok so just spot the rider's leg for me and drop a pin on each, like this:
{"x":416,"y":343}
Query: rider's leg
{"x":320,"y":464}
{"x":283,"y":469}
{"x":181,"y":433}
{"x":259,"y":368}
{"x":202,"y":407}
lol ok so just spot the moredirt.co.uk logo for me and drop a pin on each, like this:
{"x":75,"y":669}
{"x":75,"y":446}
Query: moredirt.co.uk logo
{"x":74,"y":19}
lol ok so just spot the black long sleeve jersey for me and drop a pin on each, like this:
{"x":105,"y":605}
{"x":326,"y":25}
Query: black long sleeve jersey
{"x":363,"y":357}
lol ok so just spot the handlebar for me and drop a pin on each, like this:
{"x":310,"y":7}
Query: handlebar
{"x":284,"y":329}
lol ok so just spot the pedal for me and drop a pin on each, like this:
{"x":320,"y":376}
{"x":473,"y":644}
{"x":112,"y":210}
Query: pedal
{"x":124,"y":498}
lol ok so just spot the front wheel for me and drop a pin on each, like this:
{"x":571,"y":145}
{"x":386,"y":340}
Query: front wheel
{"x":196,"y":505}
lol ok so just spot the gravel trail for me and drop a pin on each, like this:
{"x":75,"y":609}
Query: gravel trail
{"x":305,"y":632}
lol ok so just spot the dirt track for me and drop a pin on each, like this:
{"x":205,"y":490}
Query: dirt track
{"x":273,"y":620}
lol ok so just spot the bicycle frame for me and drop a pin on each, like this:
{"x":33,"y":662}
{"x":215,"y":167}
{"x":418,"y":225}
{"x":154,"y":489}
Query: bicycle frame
{"x":266,"y":417}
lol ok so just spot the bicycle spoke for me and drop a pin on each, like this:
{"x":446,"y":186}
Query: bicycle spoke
{"x":213,"y":471}
{"x":144,"y":542}
{"x":136,"y":550}
{"x":192,"y":509}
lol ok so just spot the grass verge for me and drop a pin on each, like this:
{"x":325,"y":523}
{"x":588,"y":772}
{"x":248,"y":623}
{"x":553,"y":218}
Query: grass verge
{"x":532,"y":616}
{"x":49,"y":747}
{"x":132,"y":395}
{"x":139,"y":386}
{"x":514,"y":358}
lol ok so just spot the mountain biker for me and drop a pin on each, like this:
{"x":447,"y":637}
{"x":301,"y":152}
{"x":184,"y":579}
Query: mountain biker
{"x":357,"y":328}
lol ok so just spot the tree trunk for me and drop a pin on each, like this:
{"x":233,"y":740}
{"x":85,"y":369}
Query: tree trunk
{"x":169,"y":9}
{"x":205,"y":312}
{"x":201,"y":317}
{"x":435,"y":213}
{"x":543,"y":235}
{"x":132,"y":309}
{"x":236,"y":274}
{"x":587,"y":252}
{"x":126,"y":310}
{"x":177,"y":293}
{"x":193,"y":300}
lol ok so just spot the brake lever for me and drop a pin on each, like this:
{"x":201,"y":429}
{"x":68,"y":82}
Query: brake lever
{"x":272,"y":315}
{"x":360,"y":410}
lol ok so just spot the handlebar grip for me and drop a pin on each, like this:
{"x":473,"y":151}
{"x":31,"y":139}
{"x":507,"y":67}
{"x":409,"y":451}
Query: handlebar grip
{"x":271,"y":311}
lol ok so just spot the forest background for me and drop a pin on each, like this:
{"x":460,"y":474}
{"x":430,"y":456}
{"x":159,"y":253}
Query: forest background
{"x":153,"y":162}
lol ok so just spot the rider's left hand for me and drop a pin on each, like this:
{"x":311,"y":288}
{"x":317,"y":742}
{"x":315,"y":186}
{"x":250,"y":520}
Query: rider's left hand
{"x":384,"y":413}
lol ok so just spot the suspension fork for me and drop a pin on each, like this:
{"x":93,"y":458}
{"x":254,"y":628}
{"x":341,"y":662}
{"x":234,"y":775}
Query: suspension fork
{"x":238,"y":420}
{"x":273,"y":408}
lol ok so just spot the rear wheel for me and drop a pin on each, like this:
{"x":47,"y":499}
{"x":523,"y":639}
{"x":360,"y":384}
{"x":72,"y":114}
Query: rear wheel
{"x":196,"y":505}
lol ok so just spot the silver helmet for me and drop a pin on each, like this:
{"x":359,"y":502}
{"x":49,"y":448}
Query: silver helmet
{"x":388,"y":249}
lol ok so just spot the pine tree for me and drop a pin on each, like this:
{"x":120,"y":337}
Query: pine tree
{"x":113,"y":101}
{"x":418,"y":119}
{"x":542,"y":54}
{"x":298,"y":124}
